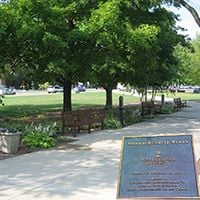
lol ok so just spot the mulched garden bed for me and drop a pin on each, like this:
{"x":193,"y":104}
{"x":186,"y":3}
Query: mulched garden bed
{"x":25,"y":150}
{"x":22,"y":150}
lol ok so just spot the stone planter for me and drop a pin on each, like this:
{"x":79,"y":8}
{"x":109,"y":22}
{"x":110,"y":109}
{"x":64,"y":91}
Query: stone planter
{"x":9,"y":142}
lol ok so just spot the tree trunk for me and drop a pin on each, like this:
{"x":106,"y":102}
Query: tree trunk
{"x":108,"y":98}
{"x":67,"y":101}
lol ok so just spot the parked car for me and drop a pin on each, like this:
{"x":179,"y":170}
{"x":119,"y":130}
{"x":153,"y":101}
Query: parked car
{"x":54,"y":89}
{"x":196,"y":90}
{"x":172,"y":89}
{"x":186,"y":88}
{"x":80,"y":88}
{"x":9,"y":91}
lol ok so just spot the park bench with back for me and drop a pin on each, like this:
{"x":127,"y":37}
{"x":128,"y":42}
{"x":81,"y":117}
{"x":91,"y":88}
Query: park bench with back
{"x":178,"y":103}
{"x":78,"y":120}
{"x":151,"y":107}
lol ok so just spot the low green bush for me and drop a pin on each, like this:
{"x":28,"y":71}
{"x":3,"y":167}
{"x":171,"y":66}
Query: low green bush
{"x":38,"y":139}
{"x":51,"y":130}
{"x":39,"y":135}
{"x":112,"y":123}
{"x":133,"y":119}
{"x":167,"y":109}
{"x":133,"y":115}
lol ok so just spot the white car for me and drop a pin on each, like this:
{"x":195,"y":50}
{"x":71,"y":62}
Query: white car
{"x":9,"y":91}
{"x":54,"y":89}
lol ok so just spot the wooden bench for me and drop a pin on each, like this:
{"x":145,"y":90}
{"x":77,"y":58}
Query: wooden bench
{"x":82,"y":119}
{"x":179,"y":103}
{"x":147,"y":108}
{"x":151,"y":107}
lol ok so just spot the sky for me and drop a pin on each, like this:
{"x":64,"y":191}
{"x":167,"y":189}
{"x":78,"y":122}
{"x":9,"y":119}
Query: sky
{"x":187,"y":20}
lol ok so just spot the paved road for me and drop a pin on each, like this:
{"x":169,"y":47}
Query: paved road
{"x":44,"y":92}
{"x":88,"y":168}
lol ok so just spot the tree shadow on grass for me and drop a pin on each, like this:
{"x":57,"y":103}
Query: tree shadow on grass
{"x":27,"y":110}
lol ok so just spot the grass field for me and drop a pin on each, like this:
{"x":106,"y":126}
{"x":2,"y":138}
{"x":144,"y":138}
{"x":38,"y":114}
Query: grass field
{"x":184,"y":96}
{"x":20,"y":111}
{"x":22,"y":106}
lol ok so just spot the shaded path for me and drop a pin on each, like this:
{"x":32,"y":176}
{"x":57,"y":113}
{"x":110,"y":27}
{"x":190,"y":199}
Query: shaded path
{"x":88,"y":168}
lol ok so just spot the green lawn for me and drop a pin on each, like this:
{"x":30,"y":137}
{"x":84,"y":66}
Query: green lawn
{"x":20,"y":111}
{"x":18,"y":108}
{"x":184,"y":96}
{"x":22,"y":106}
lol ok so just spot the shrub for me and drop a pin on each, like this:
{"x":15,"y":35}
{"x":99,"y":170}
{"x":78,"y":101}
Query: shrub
{"x":112,"y":123}
{"x":40,"y":136}
{"x":133,"y":116}
{"x":51,"y":130}
{"x":167,"y":109}
{"x":132,"y":119}
{"x":38,"y":139}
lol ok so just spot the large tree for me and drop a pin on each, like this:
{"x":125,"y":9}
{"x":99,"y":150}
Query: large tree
{"x":195,"y":62}
{"x":188,"y":61}
{"x":55,"y":48}
{"x":61,"y":40}
{"x":106,"y":26}
{"x":151,"y":47}
{"x":134,"y":46}
{"x":10,"y":43}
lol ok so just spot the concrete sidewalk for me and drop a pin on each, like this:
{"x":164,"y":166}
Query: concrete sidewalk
{"x":86,"y":169}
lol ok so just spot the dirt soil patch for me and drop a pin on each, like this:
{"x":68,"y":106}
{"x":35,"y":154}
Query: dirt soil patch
{"x":22,"y":150}
{"x":25,"y":150}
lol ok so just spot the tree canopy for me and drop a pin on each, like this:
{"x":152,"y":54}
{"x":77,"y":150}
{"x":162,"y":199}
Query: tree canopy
{"x":106,"y":41}
{"x":189,"y":63}
{"x":55,"y":49}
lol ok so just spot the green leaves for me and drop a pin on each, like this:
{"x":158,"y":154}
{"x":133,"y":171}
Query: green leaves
{"x":37,"y":139}
{"x":74,"y":40}
{"x":188,"y":60}
{"x":142,"y":36}
{"x":105,"y":16}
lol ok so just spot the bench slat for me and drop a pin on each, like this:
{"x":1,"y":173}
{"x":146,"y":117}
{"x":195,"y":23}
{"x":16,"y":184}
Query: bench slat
{"x":82,"y":119}
{"x":180,"y":103}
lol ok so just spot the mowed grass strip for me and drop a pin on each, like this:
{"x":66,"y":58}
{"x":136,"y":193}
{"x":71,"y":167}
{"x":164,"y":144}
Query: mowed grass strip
{"x":183,"y":95}
{"x":21,"y":106}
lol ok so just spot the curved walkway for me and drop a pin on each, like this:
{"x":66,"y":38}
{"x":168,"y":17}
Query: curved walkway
{"x":88,"y":168}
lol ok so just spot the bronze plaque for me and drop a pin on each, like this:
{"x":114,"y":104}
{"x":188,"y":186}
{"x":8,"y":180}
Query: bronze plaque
{"x":158,"y":166}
